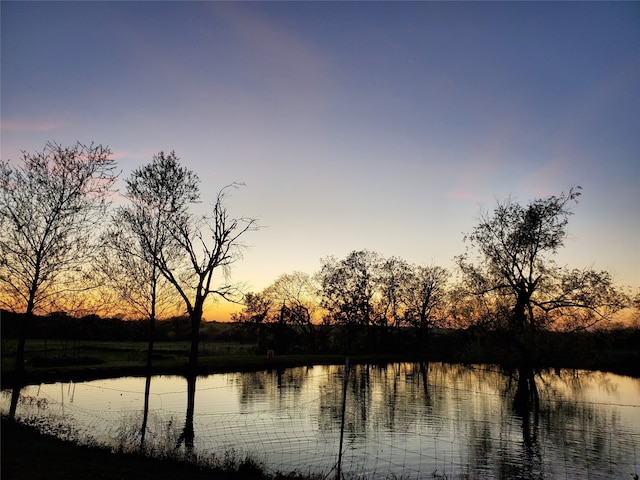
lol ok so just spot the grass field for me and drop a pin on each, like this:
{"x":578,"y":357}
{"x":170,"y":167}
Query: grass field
{"x":83,"y":360}
{"x":63,"y":359}
{"x":42,"y":353}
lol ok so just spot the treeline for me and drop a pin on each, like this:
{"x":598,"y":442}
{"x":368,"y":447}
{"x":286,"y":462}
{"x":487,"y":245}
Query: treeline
{"x":64,"y":247}
{"x":59,"y":325}
{"x":615,"y":350}
{"x":383,"y":296}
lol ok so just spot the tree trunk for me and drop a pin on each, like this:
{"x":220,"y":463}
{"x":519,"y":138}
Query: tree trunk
{"x":152,"y":327}
{"x":20,"y":350}
{"x":519,"y":319}
{"x":15,"y":396}
{"x":22,"y":340}
{"x":19,"y":369}
{"x":196,"y":318}
{"x":195,"y":340}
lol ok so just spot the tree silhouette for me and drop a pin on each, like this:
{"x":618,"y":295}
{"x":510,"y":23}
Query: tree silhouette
{"x":514,"y":246}
{"x":295,"y":294}
{"x":394,"y":275}
{"x":349,"y":287}
{"x":257,"y":309}
{"x":350,"y":291}
{"x":426,"y":299}
{"x":51,"y":208}
{"x":192,"y":247}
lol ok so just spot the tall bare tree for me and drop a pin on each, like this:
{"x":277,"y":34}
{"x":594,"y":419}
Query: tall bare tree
{"x":185,"y":247}
{"x":140,"y":234}
{"x":52,"y":205}
{"x":514,"y":246}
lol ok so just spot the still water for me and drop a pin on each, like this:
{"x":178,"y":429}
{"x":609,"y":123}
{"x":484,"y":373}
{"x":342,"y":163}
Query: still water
{"x":400,"y":420}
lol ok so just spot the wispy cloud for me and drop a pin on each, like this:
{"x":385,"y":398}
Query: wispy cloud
{"x":17,"y":126}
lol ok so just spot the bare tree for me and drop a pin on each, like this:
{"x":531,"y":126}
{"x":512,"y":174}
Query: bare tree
{"x":394,"y":276}
{"x":257,"y":309}
{"x":426,"y":298}
{"x":514,"y":245}
{"x":294,"y":296}
{"x":139,"y":235}
{"x":289,"y":305}
{"x":162,"y":194}
{"x":51,"y":208}
{"x":134,"y":284}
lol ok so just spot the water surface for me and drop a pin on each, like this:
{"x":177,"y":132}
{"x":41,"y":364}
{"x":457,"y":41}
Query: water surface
{"x":401,"y":420}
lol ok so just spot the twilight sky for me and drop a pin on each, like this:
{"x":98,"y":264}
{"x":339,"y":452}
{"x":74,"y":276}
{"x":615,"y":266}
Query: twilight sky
{"x":354,"y":125}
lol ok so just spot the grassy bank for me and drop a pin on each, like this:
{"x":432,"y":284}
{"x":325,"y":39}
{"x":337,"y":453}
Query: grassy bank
{"x":29,"y":455}
{"x":65,"y":360}
{"x":87,"y":360}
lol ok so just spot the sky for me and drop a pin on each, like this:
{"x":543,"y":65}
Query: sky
{"x":385,"y":126}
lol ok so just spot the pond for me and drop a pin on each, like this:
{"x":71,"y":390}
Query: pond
{"x":401,"y":420}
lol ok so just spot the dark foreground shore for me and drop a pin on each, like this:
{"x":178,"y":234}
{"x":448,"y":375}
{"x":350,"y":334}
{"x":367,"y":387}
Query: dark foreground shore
{"x":29,"y":455}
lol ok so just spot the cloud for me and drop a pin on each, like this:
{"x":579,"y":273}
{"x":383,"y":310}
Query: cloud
{"x":16,"y":126}
{"x":477,"y":178}
{"x":548,"y":179}
{"x":139,"y":155}
{"x":464,"y":193}
{"x":278,"y":55}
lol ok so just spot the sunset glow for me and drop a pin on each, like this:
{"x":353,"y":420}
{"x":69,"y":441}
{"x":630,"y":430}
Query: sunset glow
{"x":355,"y":125}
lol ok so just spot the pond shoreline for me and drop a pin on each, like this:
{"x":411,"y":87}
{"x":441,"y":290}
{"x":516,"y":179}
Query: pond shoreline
{"x":626,"y":365}
{"x":244,"y":347}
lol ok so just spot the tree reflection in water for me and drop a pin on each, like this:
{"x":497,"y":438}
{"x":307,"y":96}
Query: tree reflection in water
{"x":145,"y":410}
{"x":526,"y":407}
{"x":188,"y":433}
{"x":15,"y":396}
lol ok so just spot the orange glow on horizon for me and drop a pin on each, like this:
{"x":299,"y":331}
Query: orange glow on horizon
{"x":220,"y":311}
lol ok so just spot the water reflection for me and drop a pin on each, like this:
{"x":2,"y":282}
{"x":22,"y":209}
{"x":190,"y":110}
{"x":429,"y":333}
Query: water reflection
{"x":145,"y":410}
{"x":15,"y":396}
{"x":188,"y":433}
{"x":401,"y":420}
